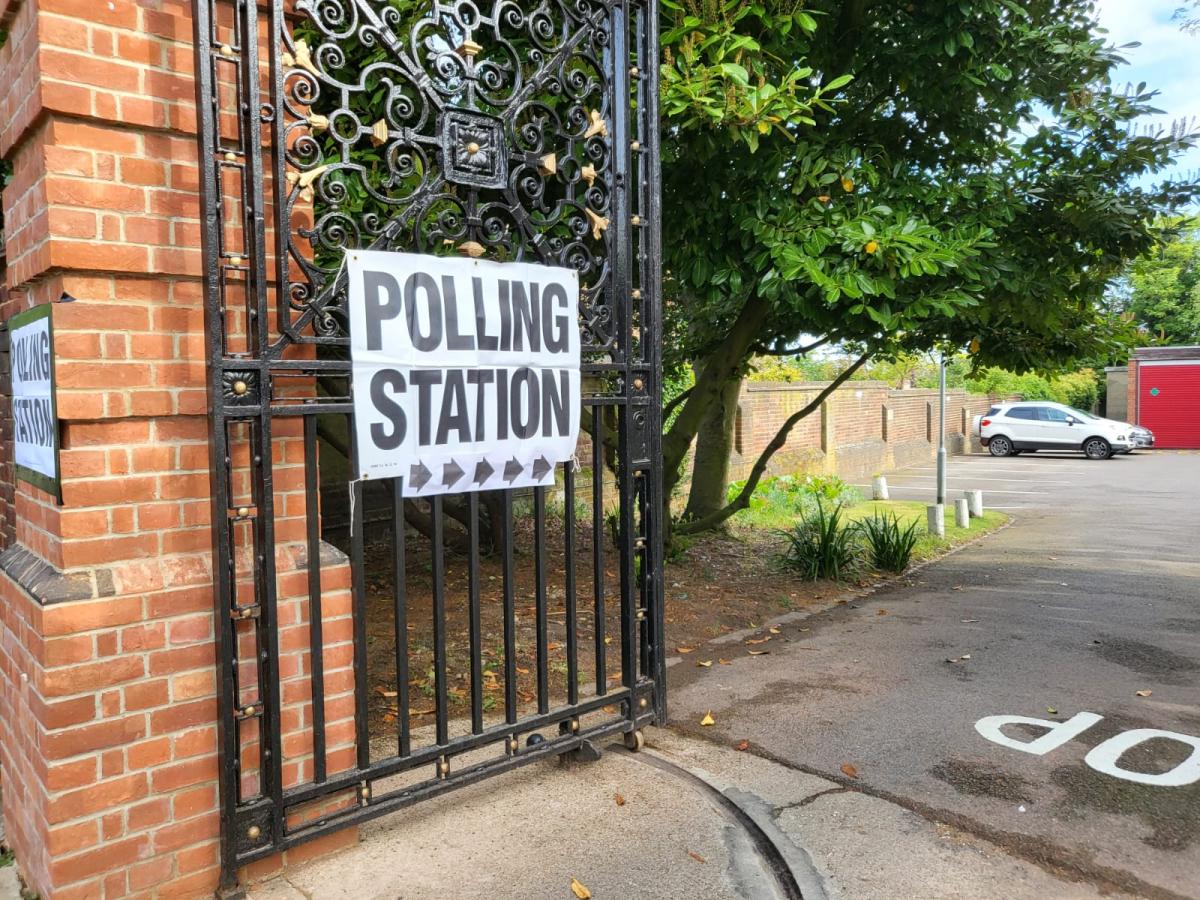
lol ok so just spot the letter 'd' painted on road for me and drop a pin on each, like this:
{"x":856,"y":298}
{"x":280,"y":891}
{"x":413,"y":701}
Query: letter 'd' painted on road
{"x":1057,"y":733}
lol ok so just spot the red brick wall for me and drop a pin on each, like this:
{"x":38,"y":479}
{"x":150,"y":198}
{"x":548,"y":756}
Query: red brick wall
{"x":857,"y":443}
{"x":107,"y":663}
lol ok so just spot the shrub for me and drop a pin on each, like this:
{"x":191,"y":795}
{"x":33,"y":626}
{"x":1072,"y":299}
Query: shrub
{"x":822,"y":546}
{"x":890,"y":546}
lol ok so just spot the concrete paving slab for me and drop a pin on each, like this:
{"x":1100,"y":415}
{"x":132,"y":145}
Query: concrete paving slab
{"x":529,"y":833}
{"x":870,"y":849}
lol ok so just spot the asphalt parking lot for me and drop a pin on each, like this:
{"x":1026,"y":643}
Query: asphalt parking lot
{"x":1030,"y":481}
{"x":1083,"y":615}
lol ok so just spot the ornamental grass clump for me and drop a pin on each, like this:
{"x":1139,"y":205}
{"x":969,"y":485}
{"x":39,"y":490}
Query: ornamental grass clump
{"x":889,"y":545}
{"x":823,"y":546}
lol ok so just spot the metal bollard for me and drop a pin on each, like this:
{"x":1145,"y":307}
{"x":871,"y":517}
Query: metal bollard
{"x":974,"y":503}
{"x":962,"y":515}
{"x":935,"y":517}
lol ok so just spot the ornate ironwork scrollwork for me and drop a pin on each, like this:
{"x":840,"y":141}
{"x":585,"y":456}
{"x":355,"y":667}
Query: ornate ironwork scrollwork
{"x":459,"y":123}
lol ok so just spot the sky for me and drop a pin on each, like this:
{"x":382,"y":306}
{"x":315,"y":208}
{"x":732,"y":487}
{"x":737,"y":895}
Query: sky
{"x":1167,"y":60}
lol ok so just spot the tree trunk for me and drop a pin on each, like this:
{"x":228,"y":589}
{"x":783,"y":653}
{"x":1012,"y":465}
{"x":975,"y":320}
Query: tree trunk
{"x":714,"y":444}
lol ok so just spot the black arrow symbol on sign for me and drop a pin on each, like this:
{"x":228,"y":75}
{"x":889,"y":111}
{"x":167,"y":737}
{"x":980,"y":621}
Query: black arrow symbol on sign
{"x":512,"y":469}
{"x":541,"y":466}
{"x":483,"y":471}
{"x":451,"y":472}
{"x":418,"y":475}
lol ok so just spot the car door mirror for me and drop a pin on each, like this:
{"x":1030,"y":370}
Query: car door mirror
{"x":1071,"y":420}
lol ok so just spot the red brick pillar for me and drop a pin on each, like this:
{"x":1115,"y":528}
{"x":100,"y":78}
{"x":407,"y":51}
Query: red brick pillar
{"x":107,"y":672}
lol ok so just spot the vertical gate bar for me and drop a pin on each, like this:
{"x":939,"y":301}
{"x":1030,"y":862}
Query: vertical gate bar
{"x":643,"y":594}
{"x":312,"y":489}
{"x":400,"y":598}
{"x":510,"y":614}
{"x":476,"y":638}
{"x":251,"y":105}
{"x":362,"y":733}
{"x":569,"y":586}
{"x":214,"y":343}
{"x":652,"y":325}
{"x":598,"y":547}
{"x":623,"y":292}
{"x":539,"y":594}
{"x":439,"y":621}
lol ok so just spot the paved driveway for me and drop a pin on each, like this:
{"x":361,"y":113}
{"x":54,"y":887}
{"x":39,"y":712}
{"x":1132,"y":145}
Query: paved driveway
{"x":1090,"y":597}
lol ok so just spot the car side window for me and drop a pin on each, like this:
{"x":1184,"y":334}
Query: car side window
{"x":1022,"y":412}
{"x":1050,"y":414}
{"x":992,"y":410}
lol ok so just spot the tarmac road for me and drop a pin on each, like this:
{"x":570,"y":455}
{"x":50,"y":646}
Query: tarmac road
{"x":1090,"y":596}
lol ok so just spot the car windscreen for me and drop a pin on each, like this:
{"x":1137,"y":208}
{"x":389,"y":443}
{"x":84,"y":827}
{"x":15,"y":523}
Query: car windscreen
{"x":1086,"y":416}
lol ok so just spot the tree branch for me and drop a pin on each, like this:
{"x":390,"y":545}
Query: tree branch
{"x":797,"y":351}
{"x":742,"y":500}
{"x":674,"y":404}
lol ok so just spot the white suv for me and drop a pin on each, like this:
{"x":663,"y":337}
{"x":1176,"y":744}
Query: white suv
{"x":1007,"y":429}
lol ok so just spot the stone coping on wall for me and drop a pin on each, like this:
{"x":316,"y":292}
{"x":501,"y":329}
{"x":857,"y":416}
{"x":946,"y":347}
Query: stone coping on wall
{"x":1181,"y":352}
{"x":756,"y":386}
{"x":46,"y":585}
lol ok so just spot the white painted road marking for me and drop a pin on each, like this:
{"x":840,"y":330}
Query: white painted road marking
{"x":1104,"y":756}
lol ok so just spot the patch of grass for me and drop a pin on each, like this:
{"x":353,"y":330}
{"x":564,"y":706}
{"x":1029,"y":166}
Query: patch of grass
{"x":907,"y":511}
{"x":6,"y":857}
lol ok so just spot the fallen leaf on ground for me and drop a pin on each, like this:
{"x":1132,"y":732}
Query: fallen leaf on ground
{"x":521,"y":671}
{"x":957,"y":587}
{"x":758,"y":640}
{"x":968,"y":621}
{"x":760,"y":652}
{"x":708,"y":719}
{"x":619,"y":799}
{"x":774,"y":630}
{"x":725,"y":662}
{"x":385,"y":693}
{"x":849,"y":770}
{"x":1052,"y":710}
{"x":1144,"y":693}
{"x":579,"y":890}
{"x":704,"y":663}
{"x":965,"y":656}
{"x":804,"y":629}
{"x":684,"y":649}
{"x":608,"y":640}
{"x":696,"y":856}
{"x":1053,"y":557}
{"x":881,"y":612}
{"x":743,"y":744}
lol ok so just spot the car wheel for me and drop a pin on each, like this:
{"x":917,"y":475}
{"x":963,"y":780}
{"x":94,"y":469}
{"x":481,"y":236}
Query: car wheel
{"x":1097,"y":448}
{"x":1000,"y":446}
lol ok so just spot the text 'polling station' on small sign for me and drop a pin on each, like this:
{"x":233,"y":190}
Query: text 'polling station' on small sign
{"x":466,"y":372}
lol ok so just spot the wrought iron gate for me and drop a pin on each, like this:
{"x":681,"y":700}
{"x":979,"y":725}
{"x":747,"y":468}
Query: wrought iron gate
{"x":516,"y":129}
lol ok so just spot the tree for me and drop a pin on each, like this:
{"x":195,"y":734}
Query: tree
{"x":915,"y":201}
{"x":1162,"y":290}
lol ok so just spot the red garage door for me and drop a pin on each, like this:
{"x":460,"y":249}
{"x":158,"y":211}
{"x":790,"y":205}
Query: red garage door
{"x":1169,"y":403}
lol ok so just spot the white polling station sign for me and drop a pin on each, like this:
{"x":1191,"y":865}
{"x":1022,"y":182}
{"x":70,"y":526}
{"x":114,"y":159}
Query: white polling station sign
{"x":35,"y":421}
{"x":466,"y":372}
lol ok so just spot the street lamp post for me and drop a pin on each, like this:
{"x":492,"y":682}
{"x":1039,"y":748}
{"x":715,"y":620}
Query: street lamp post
{"x":941,"y":454}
